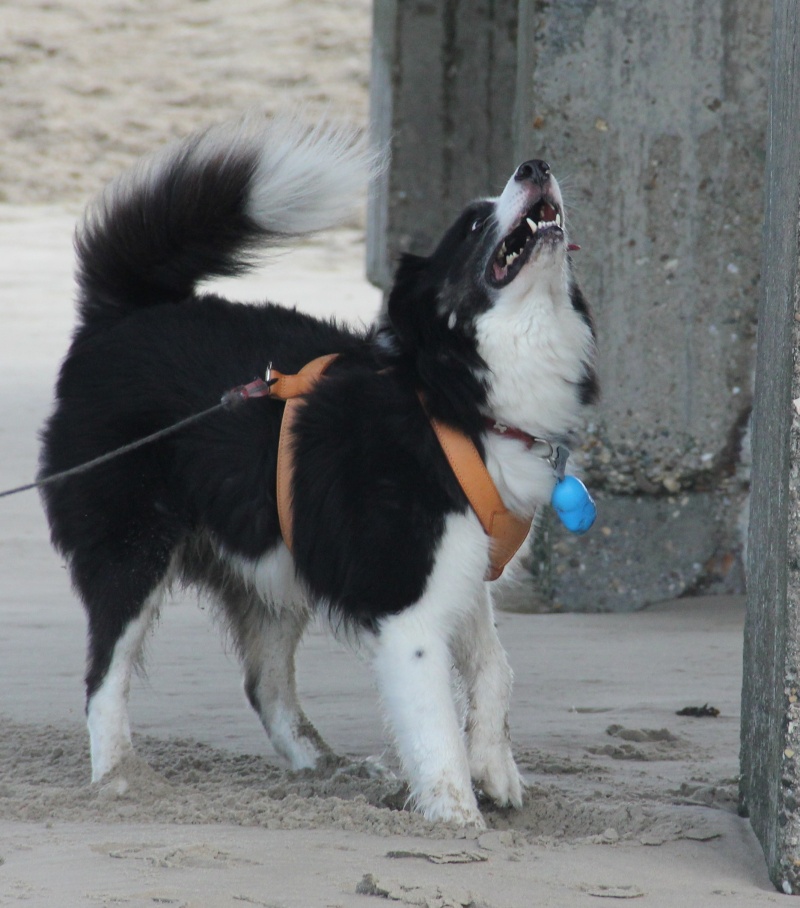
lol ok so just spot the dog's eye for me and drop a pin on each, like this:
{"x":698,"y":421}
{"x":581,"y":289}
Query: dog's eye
{"x":477,"y":225}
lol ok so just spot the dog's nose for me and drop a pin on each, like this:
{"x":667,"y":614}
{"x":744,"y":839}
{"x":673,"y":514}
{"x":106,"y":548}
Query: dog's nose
{"x":536,"y":171}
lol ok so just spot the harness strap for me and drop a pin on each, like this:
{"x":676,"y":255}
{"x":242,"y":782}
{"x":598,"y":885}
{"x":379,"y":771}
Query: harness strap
{"x":292,"y":388}
{"x":506,"y":530}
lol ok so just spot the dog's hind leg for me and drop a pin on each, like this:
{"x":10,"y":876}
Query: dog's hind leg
{"x":108,"y":685}
{"x":267,"y":613}
{"x":270,"y":687}
{"x":483,"y":666}
{"x":119,"y":532}
{"x":121,"y":574}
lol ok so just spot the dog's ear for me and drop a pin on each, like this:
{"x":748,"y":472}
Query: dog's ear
{"x":445,"y":363}
{"x":412,"y":302}
{"x":589,"y":385}
{"x":580,"y":305}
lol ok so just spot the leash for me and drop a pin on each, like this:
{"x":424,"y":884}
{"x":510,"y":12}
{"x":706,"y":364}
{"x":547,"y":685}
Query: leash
{"x":231,"y":399}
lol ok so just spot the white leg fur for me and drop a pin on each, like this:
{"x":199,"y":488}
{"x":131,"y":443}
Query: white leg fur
{"x":268,"y":627}
{"x":412,"y":662}
{"x":107,"y":709}
{"x":270,"y":685}
{"x":482,"y":663}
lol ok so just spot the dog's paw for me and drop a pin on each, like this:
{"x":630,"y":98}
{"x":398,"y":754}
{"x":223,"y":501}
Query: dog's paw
{"x":495,"y":772}
{"x":131,"y":778}
{"x":369,"y":768}
{"x":448,"y":803}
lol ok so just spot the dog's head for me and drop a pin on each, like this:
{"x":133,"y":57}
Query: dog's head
{"x":502,"y":270}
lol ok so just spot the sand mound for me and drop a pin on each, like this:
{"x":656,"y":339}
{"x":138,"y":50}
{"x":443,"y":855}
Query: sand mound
{"x":44,"y":776}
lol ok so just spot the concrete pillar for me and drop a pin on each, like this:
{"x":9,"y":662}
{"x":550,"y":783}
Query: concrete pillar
{"x":442,"y":96}
{"x":654,"y":115}
{"x":770,"y":780}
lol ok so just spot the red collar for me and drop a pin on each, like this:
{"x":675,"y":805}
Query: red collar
{"x":526,"y":438}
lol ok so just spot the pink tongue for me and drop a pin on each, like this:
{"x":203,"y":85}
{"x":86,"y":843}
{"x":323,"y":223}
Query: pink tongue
{"x":499,"y":272}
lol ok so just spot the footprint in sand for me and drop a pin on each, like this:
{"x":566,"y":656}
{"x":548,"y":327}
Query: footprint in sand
{"x":644,"y":744}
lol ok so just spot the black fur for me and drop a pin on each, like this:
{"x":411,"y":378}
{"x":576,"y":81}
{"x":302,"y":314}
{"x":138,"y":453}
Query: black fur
{"x":590,"y":383}
{"x":372,"y":487}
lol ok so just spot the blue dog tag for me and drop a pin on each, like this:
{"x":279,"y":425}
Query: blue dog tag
{"x":573,"y":504}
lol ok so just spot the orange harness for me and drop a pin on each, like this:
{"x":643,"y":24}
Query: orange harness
{"x":506,"y":530}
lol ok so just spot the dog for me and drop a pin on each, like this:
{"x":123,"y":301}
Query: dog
{"x":491,"y":328}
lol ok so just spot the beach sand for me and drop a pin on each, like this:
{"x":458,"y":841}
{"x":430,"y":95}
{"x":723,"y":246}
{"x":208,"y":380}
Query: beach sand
{"x":626,"y":800}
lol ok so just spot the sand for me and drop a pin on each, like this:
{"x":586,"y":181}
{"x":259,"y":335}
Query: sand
{"x":626,"y":800}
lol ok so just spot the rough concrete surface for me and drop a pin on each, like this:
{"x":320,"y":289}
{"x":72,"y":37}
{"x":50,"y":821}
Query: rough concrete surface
{"x":442,"y":96}
{"x":654,"y":115}
{"x":771,"y":686}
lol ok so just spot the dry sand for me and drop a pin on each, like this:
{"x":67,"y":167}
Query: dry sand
{"x":626,"y":800}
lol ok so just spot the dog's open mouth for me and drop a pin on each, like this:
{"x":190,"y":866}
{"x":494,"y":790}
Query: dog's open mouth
{"x":541,"y":220}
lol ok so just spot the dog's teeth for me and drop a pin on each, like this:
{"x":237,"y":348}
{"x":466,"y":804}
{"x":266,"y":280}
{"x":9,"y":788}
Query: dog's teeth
{"x":533,"y":226}
{"x":558,"y":220}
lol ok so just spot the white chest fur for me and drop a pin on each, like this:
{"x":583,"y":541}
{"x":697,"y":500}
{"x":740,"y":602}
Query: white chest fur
{"x":536,"y":347}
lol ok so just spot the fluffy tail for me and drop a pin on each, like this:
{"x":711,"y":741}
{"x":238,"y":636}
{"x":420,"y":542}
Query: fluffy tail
{"x":208,"y":205}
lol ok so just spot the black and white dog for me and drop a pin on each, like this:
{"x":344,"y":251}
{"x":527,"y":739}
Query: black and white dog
{"x":491,"y":326}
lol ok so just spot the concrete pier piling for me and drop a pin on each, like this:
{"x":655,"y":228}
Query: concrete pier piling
{"x":770,"y":756}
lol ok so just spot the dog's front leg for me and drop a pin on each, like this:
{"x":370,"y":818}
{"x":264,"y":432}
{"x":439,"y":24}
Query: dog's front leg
{"x":413,"y":664}
{"x":483,"y":665}
{"x":413,"y":668}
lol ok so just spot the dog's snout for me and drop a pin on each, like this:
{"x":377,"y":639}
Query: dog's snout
{"x":536,"y":171}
